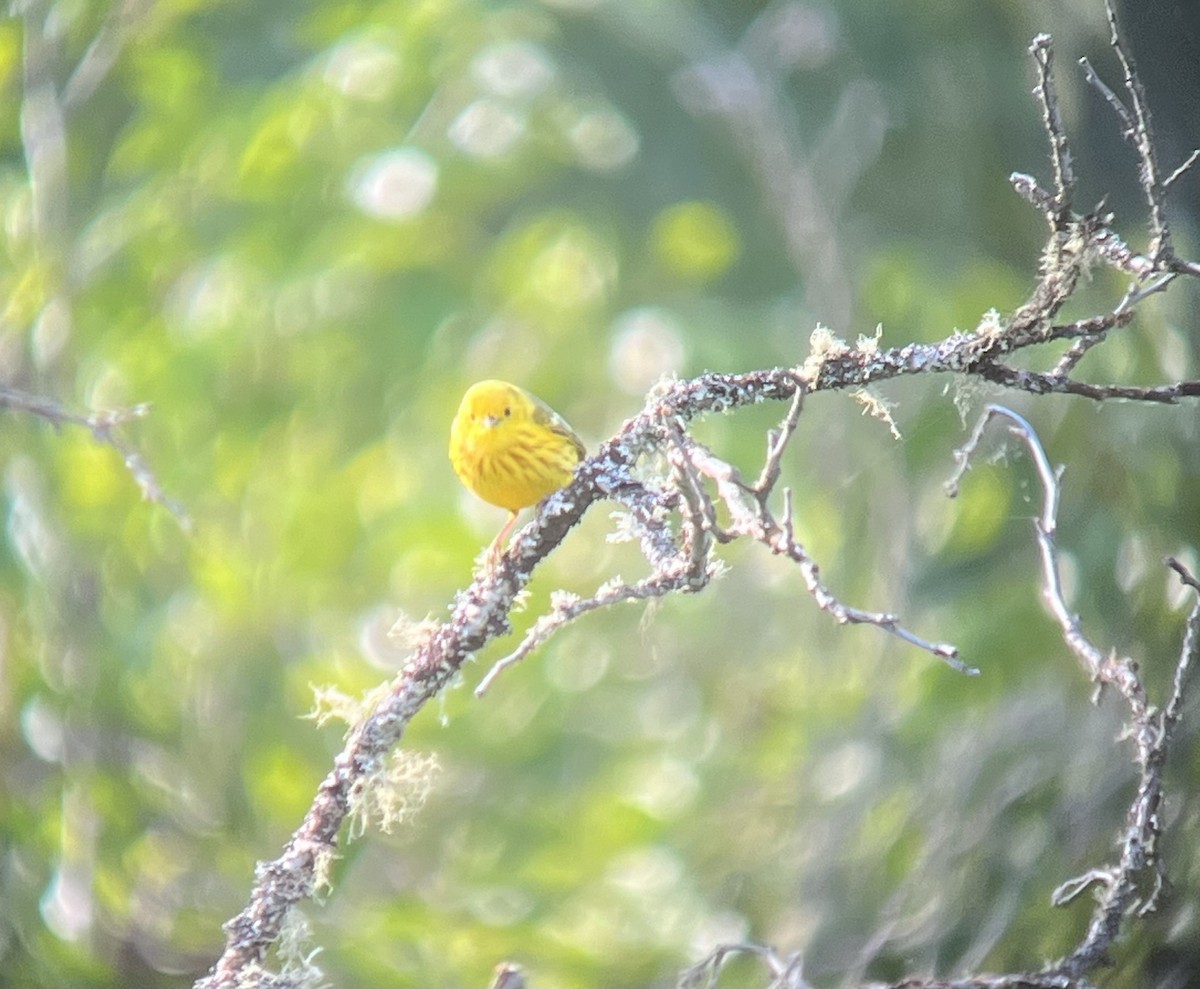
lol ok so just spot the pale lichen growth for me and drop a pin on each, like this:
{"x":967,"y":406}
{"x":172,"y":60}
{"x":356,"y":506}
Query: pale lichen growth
{"x":331,"y":703}
{"x":823,"y":343}
{"x":822,"y":346}
{"x":296,"y":954}
{"x":1081,"y":250}
{"x":412,"y":634}
{"x":610,"y":587}
{"x":649,"y":613}
{"x":991,"y":326}
{"x":869,"y":345}
{"x":662,"y":387}
{"x":718,"y":568}
{"x":877,"y":407}
{"x":392,"y":795}
{"x":966,"y":392}
{"x":561,"y":600}
{"x":323,"y":859}
{"x":624,"y":528}
{"x":653,"y":470}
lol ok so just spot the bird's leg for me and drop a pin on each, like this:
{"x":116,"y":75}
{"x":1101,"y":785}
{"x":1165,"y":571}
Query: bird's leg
{"x":497,"y":547}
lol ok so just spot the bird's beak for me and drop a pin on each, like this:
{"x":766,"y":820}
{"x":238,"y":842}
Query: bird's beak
{"x":491,"y":421}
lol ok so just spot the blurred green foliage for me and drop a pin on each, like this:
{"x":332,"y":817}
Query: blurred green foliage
{"x":298,"y":231}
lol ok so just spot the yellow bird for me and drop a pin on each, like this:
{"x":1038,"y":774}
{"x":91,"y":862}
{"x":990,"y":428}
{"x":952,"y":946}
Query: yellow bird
{"x":511,"y":449}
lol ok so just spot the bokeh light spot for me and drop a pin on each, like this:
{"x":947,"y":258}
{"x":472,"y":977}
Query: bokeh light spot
{"x":603,"y":140}
{"x":647,"y":343}
{"x":695,"y":240}
{"x":487,"y":129}
{"x":394,"y":185}
{"x":363,"y":69}
{"x":516,"y":69}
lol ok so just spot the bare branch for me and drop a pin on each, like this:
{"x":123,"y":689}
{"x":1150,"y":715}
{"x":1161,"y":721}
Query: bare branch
{"x":1137,"y":293}
{"x":1185,"y":575}
{"x":1141,"y":138}
{"x":1101,"y":668}
{"x":1027,"y":187}
{"x":102,"y":53}
{"x":565,"y":608}
{"x":1073,"y":888}
{"x":1118,"y":886}
{"x":699,"y":522}
{"x":1060,"y":151}
{"x":508,"y":976}
{"x":777,"y":443}
{"x":1066,"y":364}
{"x":1136,"y":130}
{"x":1114,"y":252}
{"x":1112,"y":99}
{"x":1063,"y":261}
{"x":104,"y":428}
{"x":1187,"y":653}
{"x":43,"y":128}
{"x":761,"y":525}
{"x":1039,"y":383}
{"x":786,"y":973}
{"x":1182,"y":170}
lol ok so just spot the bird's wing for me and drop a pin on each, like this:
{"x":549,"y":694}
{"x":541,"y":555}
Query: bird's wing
{"x":543,"y":415}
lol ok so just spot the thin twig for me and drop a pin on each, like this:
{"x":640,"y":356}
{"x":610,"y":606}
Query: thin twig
{"x":761,"y":525}
{"x":1136,"y":293}
{"x":785,"y":972}
{"x":104,"y":427}
{"x":777,"y":443}
{"x":699,"y":518}
{"x":1182,"y":170}
{"x":102,"y":53}
{"x":1101,"y":668}
{"x":1142,"y":138}
{"x":565,"y":608}
{"x":1070,"y":358}
{"x":1060,"y":151}
{"x":1187,"y":653}
{"x":1027,"y":187}
{"x":1039,"y":383}
{"x":1114,"y":101}
{"x":1118,"y":885}
{"x":1136,"y":130}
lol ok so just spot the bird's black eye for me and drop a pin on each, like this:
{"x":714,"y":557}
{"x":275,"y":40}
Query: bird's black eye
{"x":507,"y":411}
